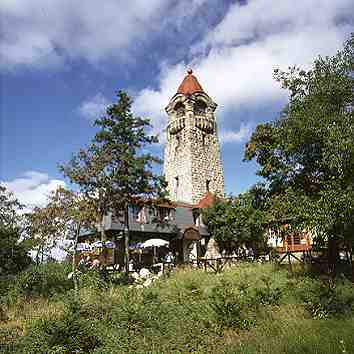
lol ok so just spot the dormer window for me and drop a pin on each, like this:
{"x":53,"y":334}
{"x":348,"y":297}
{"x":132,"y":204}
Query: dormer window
{"x":179,"y":108}
{"x":200,"y":107}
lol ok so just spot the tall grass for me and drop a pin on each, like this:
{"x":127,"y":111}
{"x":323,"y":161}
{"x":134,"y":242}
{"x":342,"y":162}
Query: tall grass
{"x":246,"y":309}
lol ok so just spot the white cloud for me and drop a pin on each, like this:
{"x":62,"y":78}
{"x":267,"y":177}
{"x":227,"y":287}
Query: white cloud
{"x":33,"y":188}
{"x":239,"y":136}
{"x":94,"y":107}
{"x":151,"y":103}
{"x":42,"y":32}
{"x":236,"y":59}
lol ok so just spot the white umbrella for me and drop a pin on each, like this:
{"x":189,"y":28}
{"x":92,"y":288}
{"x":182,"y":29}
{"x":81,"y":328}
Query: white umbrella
{"x":155,"y":242}
{"x":83,"y":247}
{"x":97,"y":244}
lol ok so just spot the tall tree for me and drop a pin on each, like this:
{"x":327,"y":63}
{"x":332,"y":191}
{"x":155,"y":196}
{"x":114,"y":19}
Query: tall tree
{"x":44,"y":228}
{"x":72,"y":212}
{"x":307,"y":155}
{"x":14,"y":247}
{"x":235,"y":221}
{"x":116,"y":170}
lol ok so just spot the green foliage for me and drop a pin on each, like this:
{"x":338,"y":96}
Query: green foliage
{"x":13,"y":251}
{"x":114,"y":171}
{"x":70,"y":334}
{"x":92,"y":279}
{"x":237,"y":220}
{"x":307,"y":155}
{"x":268,"y":294}
{"x":249,"y":309}
{"x":324,"y":299}
{"x":44,"y":280}
{"x":231,"y":305}
{"x":13,"y":254}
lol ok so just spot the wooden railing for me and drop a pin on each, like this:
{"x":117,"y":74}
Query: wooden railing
{"x":293,"y":248}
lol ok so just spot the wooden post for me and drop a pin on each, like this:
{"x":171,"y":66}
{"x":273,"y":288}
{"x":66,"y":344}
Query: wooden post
{"x":289,"y":261}
{"x":126,"y":237}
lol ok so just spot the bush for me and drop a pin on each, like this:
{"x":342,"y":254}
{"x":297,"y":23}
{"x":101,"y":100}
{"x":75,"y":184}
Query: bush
{"x":267,"y":294}
{"x":8,"y":337}
{"x":70,"y":334}
{"x":329,"y":298}
{"x":92,"y":279}
{"x":43,"y":280}
{"x":232,"y":304}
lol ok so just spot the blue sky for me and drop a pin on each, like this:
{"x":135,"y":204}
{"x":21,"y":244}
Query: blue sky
{"x":61,"y":62}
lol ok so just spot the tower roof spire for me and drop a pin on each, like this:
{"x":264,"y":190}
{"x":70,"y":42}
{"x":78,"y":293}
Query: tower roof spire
{"x":190,"y":84}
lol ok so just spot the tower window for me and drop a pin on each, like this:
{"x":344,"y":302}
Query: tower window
{"x":179,"y":108}
{"x":207,"y":185}
{"x":176,"y":187}
{"x":200,"y":107}
{"x":204,"y":139}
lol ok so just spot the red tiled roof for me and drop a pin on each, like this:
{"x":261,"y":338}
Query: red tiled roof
{"x":190,"y":84}
{"x":206,"y":201}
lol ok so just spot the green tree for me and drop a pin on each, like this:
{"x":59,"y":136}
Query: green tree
{"x":235,"y":221}
{"x":307,"y":155}
{"x":73,"y":212}
{"x":116,"y":170}
{"x":14,"y":247}
{"x":44,"y":228}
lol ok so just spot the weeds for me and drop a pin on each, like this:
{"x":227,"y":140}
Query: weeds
{"x":249,"y":309}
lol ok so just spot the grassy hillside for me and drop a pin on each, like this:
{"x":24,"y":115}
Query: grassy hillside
{"x":247,"y":309}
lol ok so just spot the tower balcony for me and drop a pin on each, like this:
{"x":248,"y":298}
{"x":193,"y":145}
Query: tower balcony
{"x":205,"y":124}
{"x":176,"y":125}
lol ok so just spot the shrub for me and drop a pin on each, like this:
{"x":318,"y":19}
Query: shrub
{"x":92,"y":279}
{"x":267,"y":294}
{"x":231,"y":305}
{"x":43,"y":280}
{"x":68,"y":334}
{"x":329,"y":298}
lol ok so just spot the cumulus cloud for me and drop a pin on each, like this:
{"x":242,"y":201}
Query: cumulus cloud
{"x":235,"y":60}
{"x":43,"y":33}
{"x":239,"y":136}
{"x":33,"y":188}
{"x":94,"y":107}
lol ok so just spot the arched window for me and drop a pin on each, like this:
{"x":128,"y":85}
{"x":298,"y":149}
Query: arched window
{"x":179,"y":108}
{"x":200,"y":107}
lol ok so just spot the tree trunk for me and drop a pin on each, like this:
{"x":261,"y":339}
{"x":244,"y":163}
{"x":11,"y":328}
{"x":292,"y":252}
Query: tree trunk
{"x":333,"y":254}
{"x":73,"y":263}
{"x":103,"y":240}
{"x":126,"y":237}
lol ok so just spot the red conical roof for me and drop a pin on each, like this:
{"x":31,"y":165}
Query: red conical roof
{"x":190,"y":84}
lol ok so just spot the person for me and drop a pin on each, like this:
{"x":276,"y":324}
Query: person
{"x":169,"y":257}
{"x":95,"y":264}
{"x":251,"y":253}
{"x":84,"y":263}
{"x":88,"y":262}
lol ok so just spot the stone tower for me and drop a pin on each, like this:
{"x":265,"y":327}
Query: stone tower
{"x":192,"y":164}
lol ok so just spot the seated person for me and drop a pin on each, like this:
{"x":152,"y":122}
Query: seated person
{"x":95,"y":264}
{"x":84,"y":263}
{"x":169,"y":257}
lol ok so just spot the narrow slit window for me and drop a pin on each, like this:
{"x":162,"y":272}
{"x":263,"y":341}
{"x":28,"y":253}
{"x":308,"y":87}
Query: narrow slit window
{"x":207,"y":185}
{"x":176,"y":186}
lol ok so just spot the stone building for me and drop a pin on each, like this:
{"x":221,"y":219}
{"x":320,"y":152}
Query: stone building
{"x":192,"y":164}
